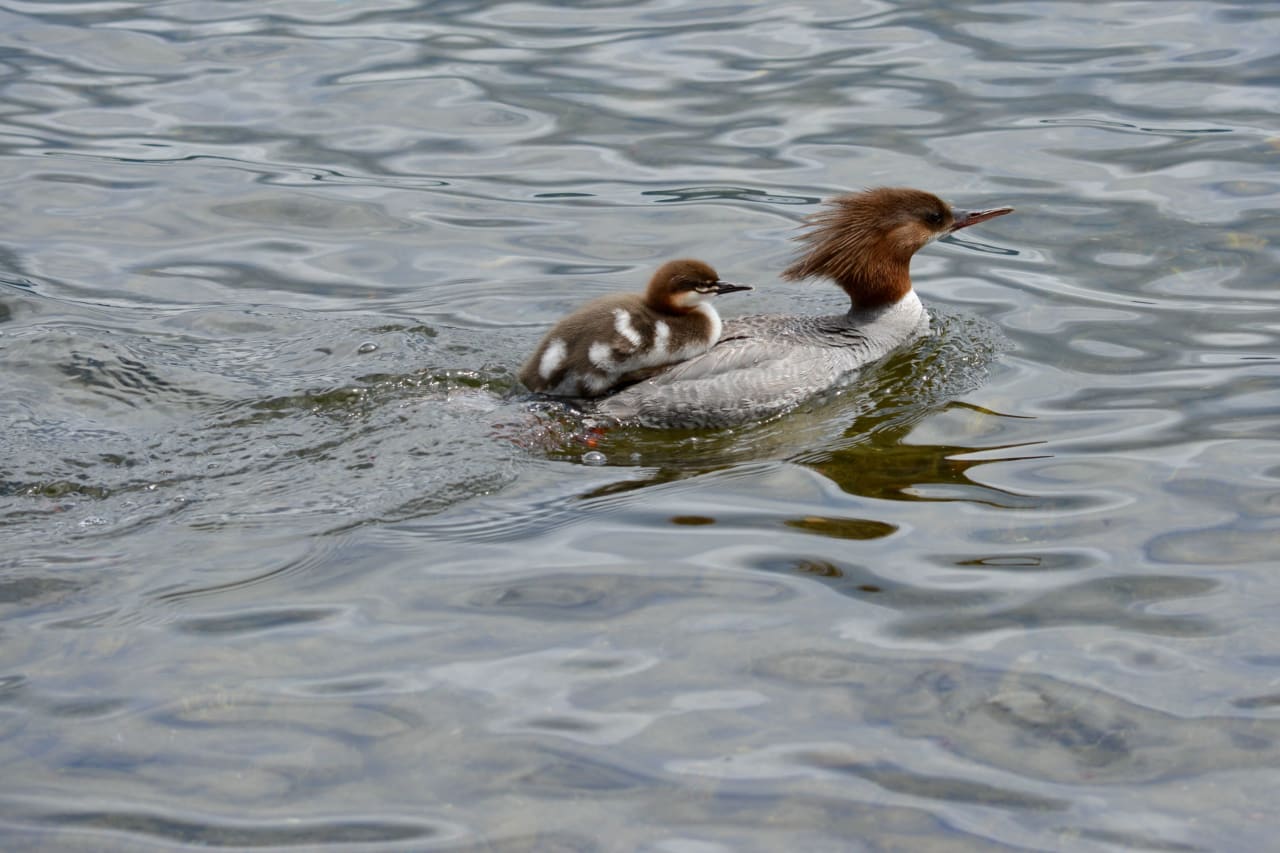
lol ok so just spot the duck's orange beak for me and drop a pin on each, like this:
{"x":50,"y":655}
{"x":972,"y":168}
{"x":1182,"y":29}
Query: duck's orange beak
{"x":965,"y":218}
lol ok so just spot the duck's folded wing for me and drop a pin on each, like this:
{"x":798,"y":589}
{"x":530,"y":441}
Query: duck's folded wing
{"x":737,"y":380}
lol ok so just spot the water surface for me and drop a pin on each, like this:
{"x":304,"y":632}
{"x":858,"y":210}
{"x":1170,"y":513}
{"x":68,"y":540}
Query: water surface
{"x":287,"y":566}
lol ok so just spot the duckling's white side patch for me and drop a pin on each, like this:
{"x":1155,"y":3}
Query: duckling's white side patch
{"x":600,"y":355}
{"x":552,"y":358}
{"x":622,"y":323}
{"x":661,"y":340}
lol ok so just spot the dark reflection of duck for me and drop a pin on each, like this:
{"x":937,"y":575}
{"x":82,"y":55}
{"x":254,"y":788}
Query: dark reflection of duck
{"x":870,"y":459}
{"x":888,"y":468}
{"x":766,"y":365}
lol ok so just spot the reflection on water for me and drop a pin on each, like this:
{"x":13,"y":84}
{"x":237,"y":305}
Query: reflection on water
{"x":289,"y":563}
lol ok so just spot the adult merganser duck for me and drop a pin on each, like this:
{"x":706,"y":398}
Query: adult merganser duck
{"x":617,"y":340}
{"x":764,"y":365}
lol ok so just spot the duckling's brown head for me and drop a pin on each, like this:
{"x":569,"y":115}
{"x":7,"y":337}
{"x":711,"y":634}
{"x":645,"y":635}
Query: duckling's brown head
{"x":864,"y":241}
{"x":681,"y":286}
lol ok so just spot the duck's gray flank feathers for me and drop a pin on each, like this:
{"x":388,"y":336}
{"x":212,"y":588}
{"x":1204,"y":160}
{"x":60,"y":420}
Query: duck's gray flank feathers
{"x":765,"y":365}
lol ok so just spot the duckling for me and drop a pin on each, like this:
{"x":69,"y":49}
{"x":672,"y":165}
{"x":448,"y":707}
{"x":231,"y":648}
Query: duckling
{"x":615,"y":341}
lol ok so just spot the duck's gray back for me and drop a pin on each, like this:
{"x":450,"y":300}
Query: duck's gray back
{"x":765,"y":365}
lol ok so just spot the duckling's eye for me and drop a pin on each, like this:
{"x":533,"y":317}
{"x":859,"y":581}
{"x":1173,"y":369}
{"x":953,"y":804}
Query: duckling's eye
{"x":933,"y":217}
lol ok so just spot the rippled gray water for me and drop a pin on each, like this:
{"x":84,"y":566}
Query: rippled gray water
{"x":286,"y":566}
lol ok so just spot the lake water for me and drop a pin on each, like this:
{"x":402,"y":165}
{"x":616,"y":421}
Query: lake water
{"x":286,"y":566}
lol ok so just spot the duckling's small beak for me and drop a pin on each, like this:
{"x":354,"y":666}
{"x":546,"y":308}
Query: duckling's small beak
{"x":965,"y":218}
{"x":728,"y":287}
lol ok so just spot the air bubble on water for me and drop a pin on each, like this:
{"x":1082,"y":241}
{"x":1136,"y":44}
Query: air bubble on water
{"x":366,"y":347}
{"x":594,"y":457}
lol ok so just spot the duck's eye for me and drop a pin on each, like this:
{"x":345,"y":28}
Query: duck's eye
{"x":933,"y":217}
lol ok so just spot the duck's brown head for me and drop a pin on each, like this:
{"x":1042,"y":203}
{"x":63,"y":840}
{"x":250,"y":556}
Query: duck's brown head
{"x":864,"y":241}
{"x":678,"y":287}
